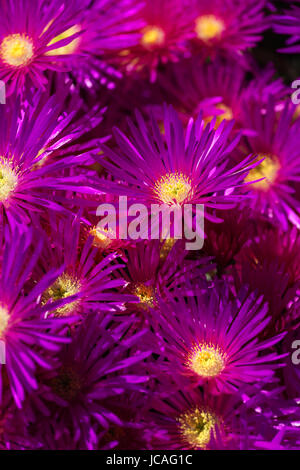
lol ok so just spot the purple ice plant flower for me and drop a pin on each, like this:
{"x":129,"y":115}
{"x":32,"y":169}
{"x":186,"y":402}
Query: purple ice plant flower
{"x":217,"y":88}
{"x":163,"y":38}
{"x":73,"y":399}
{"x":176,"y":166}
{"x":61,"y":36}
{"x":213,"y":340}
{"x":196,"y":420}
{"x":87,"y":278}
{"x":157,"y":268}
{"x":28,"y":40}
{"x":29,"y":338}
{"x":31,"y":184}
{"x":228,"y":27}
{"x":275,"y":143}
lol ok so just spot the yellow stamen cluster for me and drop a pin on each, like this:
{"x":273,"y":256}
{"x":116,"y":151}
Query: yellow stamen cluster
{"x":16,"y":50}
{"x":102,"y":237}
{"x":167,"y":247}
{"x":145,"y":294}
{"x":226,"y":111}
{"x":209,"y":27}
{"x":8,"y":179}
{"x":197,"y":427}
{"x":207,"y":360}
{"x":267,"y":169}
{"x":4,"y":319}
{"x":152,"y":36}
{"x":67,"y":384}
{"x":62,"y":288}
{"x":173,"y":188}
{"x":226,"y":114}
{"x":68,"y":48}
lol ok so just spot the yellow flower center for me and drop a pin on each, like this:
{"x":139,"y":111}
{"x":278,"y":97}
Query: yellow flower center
{"x":62,"y":288}
{"x":4,"y":319}
{"x":8,"y":179}
{"x":16,"y":50}
{"x":267,"y":169}
{"x":145,"y":294}
{"x":207,"y":360}
{"x":167,"y":247}
{"x":197,"y":427}
{"x":67,"y":384}
{"x":173,"y":188}
{"x":152,"y":36}
{"x":68,"y":48}
{"x":226,"y":114}
{"x":209,"y":27}
{"x":102,"y":237}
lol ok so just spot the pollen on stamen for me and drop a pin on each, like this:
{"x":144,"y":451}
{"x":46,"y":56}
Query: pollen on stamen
{"x":226,"y":114}
{"x":65,"y":286}
{"x":8,"y":179}
{"x":209,"y":27}
{"x":103,"y":238}
{"x":167,"y":246}
{"x":4,"y":319}
{"x":173,"y":188}
{"x":145,"y":294}
{"x":197,"y":427}
{"x":267,"y":169}
{"x":16,"y":50}
{"x":68,"y":48}
{"x":152,"y":36}
{"x":206,"y":360}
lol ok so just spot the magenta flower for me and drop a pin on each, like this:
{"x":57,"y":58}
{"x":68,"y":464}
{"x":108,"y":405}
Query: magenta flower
{"x":73,"y":399}
{"x":149,"y":225}
{"x":276,"y":145}
{"x":176,"y":167}
{"x":228,"y":27}
{"x":28,"y":41}
{"x":87,"y":280}
{"x":162,"y":37}
{"x":195,"y":420}
{"x":157,"y":268}
{"x":215,"y":341}
{"x":31,"y":184}
{"x":29,"y":338}
{"x":63,"y":37}
{"x":218,"y":89}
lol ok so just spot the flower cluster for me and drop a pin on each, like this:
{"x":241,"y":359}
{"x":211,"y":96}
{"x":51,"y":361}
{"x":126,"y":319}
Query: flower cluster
{"x":111,"y":341}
